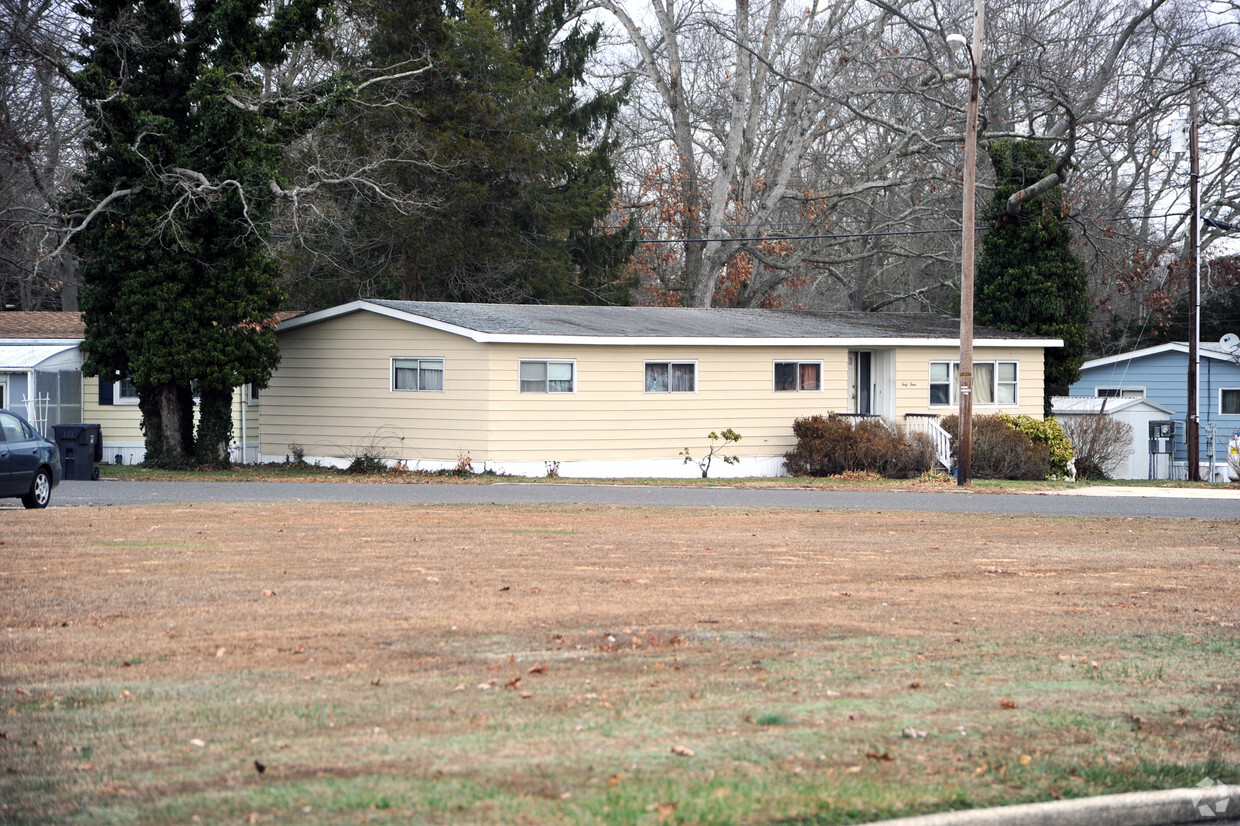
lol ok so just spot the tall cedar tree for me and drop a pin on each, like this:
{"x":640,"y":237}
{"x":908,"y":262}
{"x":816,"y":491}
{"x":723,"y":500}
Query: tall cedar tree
{"x":180,"y":288}
{"x":514,"y":162}
{"x":1028,"y":278}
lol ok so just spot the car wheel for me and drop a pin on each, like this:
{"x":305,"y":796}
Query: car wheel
{"x":40,"y":490}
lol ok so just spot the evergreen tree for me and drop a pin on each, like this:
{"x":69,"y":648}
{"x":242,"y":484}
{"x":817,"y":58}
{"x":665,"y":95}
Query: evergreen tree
{"x":1028,"y":278}
{"x":179,"y":285}
{"x":511,"y":162}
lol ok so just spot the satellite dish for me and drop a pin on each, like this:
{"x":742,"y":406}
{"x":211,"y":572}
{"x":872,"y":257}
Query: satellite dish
{"x":1230,"y":342}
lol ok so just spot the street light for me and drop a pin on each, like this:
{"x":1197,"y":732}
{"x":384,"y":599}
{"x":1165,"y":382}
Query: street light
{"x":964,"y":448}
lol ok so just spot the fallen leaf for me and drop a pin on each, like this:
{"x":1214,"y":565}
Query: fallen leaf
{"x":885,"y":756}
{"x":538,"y":669}
{"x":665,"y":811}
{"x":196,"y":743}
{"x":1007,"y":704}
{"x":259,"y":767}
{"x":267,"y":592}
{"x":299,"y":649}
{"x":513,"y":683}
{"x":1025,"y":760}
{"x":915,"y":684}
{"x":377,"y":681}
{"x":682,"y":751}
{"x":219,"y":652}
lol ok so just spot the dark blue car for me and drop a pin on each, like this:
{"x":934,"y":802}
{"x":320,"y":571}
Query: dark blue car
{"x":29,"y":463}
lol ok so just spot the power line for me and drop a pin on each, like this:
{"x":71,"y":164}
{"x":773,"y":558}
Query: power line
{"x":833,"y":236}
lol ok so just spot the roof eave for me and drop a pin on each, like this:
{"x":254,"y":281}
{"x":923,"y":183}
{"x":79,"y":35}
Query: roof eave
{"x":638,"y":341}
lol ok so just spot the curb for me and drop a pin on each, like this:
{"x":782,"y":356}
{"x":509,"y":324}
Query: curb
{"x":1200,"y":804}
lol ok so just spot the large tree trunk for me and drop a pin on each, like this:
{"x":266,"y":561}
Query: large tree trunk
{"x":214,"y":427}
{"x":167,"y":422}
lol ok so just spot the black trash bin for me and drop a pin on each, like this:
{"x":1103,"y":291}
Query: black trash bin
{"x":81,"y":446}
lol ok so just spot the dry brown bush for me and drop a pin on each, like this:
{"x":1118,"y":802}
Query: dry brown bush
{"x":834,"y":444}
{"x":1102,"y":443}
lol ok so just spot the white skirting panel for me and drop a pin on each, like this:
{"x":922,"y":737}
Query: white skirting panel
{"x":601,"y":469}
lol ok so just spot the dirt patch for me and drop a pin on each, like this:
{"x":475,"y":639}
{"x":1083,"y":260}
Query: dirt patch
{"x":340,"y":584}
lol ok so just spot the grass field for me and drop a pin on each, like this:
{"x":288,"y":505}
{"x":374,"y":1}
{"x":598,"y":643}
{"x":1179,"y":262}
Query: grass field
{"x":573,"y":665}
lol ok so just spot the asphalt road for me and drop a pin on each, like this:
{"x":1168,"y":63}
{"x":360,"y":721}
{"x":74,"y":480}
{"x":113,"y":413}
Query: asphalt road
{"x":1166,"y":503}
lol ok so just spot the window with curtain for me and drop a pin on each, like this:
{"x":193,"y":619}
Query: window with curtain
{"x":671,"y":377}
{"x":793,"y":376}
{"x":547,"y":377}
{"x":995,"y":383}
{"x":417,"y":374}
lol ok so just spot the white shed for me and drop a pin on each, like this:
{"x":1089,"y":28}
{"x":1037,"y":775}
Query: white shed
{"x":1137,"y":412}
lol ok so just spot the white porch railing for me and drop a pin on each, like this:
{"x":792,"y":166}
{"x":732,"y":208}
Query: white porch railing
{"x":928,"y":423}
{"x":36,"y":412}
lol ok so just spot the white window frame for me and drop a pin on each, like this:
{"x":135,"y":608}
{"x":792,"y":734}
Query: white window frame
{"x":547,"y":391}
{"x":798,"y":364}
{"x":954,"y":390}
{"x":120,"y":397}
{"x":1117,"y":391}
{"x":669,"y":365}
{"x":1221,"y":391}
{"x":419,"y":359}
{"x":252,"y":395}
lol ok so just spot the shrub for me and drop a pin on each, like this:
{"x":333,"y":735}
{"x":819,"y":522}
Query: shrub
{"x":729,"y":437}
{"x":1102,"y":444}
{"x":832,"y":445}
{"x":1000,"y":451}
{"x":1046,"y":432}
{"x":366,"y":463}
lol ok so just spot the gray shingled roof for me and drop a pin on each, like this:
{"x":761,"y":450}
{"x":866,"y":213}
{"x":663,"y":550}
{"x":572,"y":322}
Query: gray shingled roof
{"x":677,"y":322}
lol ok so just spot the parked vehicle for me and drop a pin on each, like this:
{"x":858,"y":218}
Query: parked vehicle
{"x":29,"y":463}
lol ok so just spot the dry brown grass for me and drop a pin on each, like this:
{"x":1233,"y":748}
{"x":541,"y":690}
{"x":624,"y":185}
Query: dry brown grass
{"x":539,"y":664}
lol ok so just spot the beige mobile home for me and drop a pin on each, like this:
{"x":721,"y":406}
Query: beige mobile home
{"x":612,"y":391}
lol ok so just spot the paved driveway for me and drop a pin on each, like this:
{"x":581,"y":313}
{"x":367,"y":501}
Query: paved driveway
{"x":1197,"y":503}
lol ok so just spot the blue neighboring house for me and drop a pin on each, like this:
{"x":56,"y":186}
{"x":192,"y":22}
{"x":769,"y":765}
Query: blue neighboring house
{"x":1160,"y":374}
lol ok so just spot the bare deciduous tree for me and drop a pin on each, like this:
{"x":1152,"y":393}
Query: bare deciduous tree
{"x":1102,"y":443}
{"x":838,"y":128}
{"x":40,"y":135}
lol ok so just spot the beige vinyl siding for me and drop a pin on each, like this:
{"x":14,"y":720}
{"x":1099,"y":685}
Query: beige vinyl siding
{"x":332,"y":393}
{"x":913,"y":379}
{"x":611,"y":417}
{"x":120,"y":424}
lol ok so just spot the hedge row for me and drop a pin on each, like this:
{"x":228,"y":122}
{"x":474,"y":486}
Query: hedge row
{"x":834,"y":444}
{"x":1004,"y":447}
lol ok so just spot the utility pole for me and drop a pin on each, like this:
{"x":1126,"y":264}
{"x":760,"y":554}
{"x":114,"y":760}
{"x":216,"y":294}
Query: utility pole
{"x":964,"y":446}
{"x":1191,"y":435}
